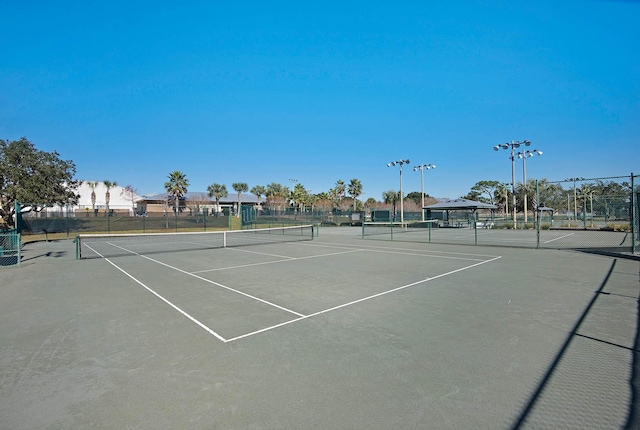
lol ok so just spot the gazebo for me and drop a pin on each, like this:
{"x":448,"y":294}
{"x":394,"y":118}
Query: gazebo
{"x":469,"y":206}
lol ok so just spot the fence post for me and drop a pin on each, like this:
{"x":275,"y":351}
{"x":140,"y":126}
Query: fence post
{"x":537,"y":216}
{"x":634,"y":216}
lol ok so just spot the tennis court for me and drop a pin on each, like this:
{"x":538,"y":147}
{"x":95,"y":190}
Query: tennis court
{"x":334,"y":332}
{"x":619,"y":241}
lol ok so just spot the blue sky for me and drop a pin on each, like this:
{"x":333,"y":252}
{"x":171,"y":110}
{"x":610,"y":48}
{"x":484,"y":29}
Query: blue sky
{"x":261,"y":92}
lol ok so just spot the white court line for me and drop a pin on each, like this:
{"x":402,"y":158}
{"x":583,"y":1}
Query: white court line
{"x":274,"y":262}
{"x":557,"y":238}
{"x":301,"y":316}
{"x":360,"y":300}
{"x":209,"y":281}
{"x":192,"y":319}
{"x":425,"y":252}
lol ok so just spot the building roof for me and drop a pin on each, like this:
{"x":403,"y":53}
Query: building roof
{"x":203,"y":197}
{"x":461,"y":204}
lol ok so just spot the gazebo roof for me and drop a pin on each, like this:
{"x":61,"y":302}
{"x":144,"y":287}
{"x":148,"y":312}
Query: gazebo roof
{"x":461,"y":204}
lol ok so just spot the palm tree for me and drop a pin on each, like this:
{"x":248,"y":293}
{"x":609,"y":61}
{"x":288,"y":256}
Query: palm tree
{"x":277,"y":196}
{"x":218,"y":191}
{"x":93,"y":185}
{"x":258,"y":191}
{"x":355,"y":189}
{"x":391,"y":197}
{"x":240,"y":188}
{"x":176,"y":187}
{"x":107,"y":195}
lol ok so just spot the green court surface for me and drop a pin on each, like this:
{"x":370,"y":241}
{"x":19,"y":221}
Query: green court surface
{"x":335,"y":333}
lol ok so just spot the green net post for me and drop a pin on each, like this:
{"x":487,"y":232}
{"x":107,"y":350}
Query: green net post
{"x":77,"y":242}
{"x":474,"y":220}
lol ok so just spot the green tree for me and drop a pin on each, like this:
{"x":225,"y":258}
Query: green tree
{"x":240,"y":187}
{"x":416,"y":197}
{"x":277,"y":197}
{"x":107,"y":195}
{"x":482,"y":189}
{"x":299,"y":195}
{"x":37,"y":177}
{"x":217,"y":191}
{"x":355,"y":189}
{"x":391,"y":197}
{"x":371,"y":202}
{"x":93,"y":185}
{"x":176,"y":187}
{"x":258,"y":191}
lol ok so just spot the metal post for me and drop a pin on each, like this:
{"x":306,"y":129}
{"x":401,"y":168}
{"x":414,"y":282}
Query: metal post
{"x":401,"y":197}
{"x":422,"y":191}
{"x":524,"y":185}
{"x":513,"y":185}
{"x":634,"y":216}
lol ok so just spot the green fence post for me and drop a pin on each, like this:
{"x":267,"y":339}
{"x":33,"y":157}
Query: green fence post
{"x":634,"y":216}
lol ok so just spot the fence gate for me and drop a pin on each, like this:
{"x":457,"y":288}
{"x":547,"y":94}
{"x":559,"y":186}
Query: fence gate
{"x":9,"y":248}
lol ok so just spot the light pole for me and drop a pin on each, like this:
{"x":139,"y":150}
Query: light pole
{"x":400,"y":163}
{"x":575,"y":196}
{"x":524,"y":155}
{"x":422,"y":168}
{"x":512,"y":145}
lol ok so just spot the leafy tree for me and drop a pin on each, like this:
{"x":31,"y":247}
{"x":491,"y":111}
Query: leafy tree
{"x":176,"y":187}
{"x":416,"y":197}
{"x":240,"y":187}
{"x":355,"y":189}
{"x":217,"y":191}
{"x":371,"y":202}
{"x":130,"y":193}
{"x":30,"y":175}
{"x":482,"y":189}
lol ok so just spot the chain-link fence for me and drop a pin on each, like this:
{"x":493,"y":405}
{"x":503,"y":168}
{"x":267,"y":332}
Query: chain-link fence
{"x":38,"y":222}
{"x":597,"y":214}
{"x":9,"y":248}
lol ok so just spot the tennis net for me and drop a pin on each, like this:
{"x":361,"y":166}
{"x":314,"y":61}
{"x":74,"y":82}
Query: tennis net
{"x":113,"y":245}
{"x":391,"y":228}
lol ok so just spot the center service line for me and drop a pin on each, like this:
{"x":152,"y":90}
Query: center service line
{"x":360,"y":300}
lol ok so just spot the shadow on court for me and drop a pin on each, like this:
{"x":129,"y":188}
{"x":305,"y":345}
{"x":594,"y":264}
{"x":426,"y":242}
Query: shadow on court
{"x":531,"y":416}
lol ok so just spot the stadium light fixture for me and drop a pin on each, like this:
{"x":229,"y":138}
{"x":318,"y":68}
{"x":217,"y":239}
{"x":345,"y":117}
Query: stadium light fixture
{"x":422,"y":168}
{"x":524,"y":155}
{"x":400,"y":163}
{"x":513,"y":145}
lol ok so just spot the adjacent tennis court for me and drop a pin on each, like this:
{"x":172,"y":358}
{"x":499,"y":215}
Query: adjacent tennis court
{"x":266,"y":331}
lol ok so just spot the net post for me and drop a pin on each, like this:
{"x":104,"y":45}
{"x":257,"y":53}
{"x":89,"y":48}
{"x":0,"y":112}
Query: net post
{"x":78,"y":252}
{"x":224,"y":238}
{"x":475,"y":227}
